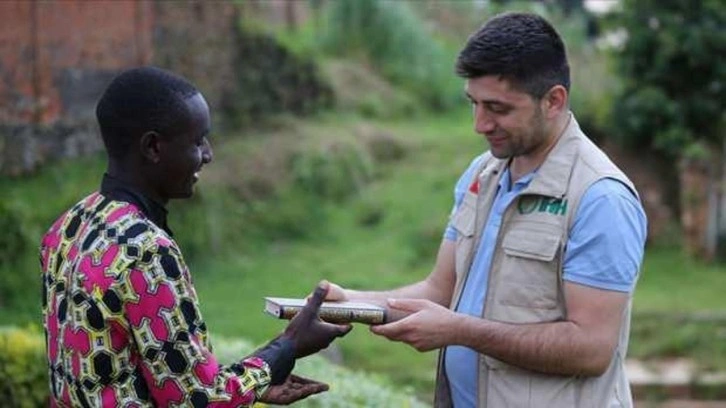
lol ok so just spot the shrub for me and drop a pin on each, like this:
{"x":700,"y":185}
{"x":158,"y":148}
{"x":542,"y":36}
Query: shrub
{"x":360,"y":89}
{"x":395,"y":40}
{"x":348,"y":389}
{"x":15,"y":248}
{"x":369,"y":213}
{"x":24,"y":377}
{"x":271,"y":79}
{"x":12,"y":241}
{"x":291,"y":214}
{"x":383,"y":146}
{"x":672,"y":66}
{"x":23,"y":368}
{"x":335,"y":170}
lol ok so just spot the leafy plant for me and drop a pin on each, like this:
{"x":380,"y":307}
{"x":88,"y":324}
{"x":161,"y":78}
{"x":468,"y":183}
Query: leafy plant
{"x":23,"y":368}
{"x":348,"y":388}
{"x":391,"y":37}
{"x":675,"y":79}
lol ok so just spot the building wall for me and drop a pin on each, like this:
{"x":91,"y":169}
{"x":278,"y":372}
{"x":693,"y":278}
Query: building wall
{"x":56,"y":57}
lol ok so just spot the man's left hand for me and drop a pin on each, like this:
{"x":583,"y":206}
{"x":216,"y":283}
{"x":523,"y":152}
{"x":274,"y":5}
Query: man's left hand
{"x":293,"y":389}
{"x":428,"y":325}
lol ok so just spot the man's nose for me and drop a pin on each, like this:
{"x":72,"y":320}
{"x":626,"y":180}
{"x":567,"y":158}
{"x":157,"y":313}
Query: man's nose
{"x":483,"y":123}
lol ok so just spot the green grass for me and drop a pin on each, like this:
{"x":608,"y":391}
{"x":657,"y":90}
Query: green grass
{"x":679,"y":310}
{"x":674,"y":283}
{"x":235,"y":263}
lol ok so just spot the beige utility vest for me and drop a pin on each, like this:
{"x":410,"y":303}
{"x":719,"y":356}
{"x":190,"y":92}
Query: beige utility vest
{"x":525,"y":279}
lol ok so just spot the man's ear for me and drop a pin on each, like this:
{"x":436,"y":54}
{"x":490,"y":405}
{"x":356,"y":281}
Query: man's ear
{"x":555,"y":101}
{"x":150,"y":146}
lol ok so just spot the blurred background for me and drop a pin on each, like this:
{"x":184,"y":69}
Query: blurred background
{"x":340,"y":130}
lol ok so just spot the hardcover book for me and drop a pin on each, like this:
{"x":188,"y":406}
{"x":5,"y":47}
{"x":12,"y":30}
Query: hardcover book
{"x":332,"y":312}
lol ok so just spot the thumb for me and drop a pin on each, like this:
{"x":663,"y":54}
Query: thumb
{"x":321,"y":291}
{"x":408,"y":305}
{"x":344,"y":329}
{"x":340,"y":330}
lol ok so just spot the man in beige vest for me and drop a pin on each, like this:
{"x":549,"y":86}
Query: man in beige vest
{"x":529,"y":301}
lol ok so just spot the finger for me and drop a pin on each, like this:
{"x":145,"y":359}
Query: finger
{"x":312,"y":304}
{"x":319,"y":295}
{"x":408,"y":305}
{"x":316,"y":388}
{"x":391,"y":330}
{"x":303,"y":380}
{"x":305,"y":391}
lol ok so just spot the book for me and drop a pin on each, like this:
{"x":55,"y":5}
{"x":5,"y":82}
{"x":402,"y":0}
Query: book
{"x":332,"y":312}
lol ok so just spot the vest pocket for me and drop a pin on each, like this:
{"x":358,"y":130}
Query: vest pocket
{"x":536,"y":245}
{"x":527,"y":285}
{"x":464,"y":218}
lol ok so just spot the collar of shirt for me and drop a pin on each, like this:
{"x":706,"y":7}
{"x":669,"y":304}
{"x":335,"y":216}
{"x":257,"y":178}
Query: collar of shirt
{"x":118,"y":190}
{"x":505,"y":182}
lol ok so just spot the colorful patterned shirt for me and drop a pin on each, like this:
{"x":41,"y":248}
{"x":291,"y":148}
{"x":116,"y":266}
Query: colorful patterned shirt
{"x":122,"y":321}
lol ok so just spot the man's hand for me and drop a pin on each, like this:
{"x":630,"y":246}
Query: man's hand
{"x":308,"y":332}
{"x":428,"y":326}
{"x":293,"y":389}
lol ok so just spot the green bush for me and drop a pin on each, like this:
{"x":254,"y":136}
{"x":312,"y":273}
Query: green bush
{"x":396,"y":41}
{"x":270,"y":80}
{"x":348,"y":389}
{"x":368,"y":213}
{"x":672,"y":66}
{"x":291,"y":214}
{"x":383,"y":146}
{"x":336,"y":170}
{"x":15,"y":247}
{"x":24,"y":377}
{"x":12,"y":241}
{"x":360,"y":89}
{"x":23,"y":368}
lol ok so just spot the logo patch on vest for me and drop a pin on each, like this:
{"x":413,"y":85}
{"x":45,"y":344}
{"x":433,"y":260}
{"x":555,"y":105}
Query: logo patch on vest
{"x":530,"y":204}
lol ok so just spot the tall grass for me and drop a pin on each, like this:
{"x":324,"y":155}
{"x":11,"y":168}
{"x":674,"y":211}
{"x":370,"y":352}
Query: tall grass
{"x":394,"y":40}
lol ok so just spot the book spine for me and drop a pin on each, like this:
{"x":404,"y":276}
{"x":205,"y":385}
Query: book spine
{"x":340,"y":315}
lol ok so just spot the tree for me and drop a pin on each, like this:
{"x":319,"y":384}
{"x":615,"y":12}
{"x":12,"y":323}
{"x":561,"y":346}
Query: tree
{"x":674,"y":71}
{"x":674,"y":102}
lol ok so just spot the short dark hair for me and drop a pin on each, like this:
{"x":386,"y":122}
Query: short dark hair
{"x":521,"y":47}
{"x":140,"y":100}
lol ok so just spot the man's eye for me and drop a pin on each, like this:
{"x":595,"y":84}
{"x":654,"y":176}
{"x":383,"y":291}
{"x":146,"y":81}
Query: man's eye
{"x":498,"y":109}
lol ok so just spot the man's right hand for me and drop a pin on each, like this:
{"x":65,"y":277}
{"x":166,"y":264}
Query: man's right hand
{"x":308,"y":333}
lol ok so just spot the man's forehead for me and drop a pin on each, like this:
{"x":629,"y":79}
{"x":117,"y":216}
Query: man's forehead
{"x":494,"y":87}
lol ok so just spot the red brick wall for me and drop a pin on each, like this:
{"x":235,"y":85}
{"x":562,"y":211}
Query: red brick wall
{"x":56,"y":57}
{"x":44,"y":46}
{"x":16,"y":53}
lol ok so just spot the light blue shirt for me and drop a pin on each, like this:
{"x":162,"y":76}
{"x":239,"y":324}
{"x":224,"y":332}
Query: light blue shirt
{"x":604,"y":250}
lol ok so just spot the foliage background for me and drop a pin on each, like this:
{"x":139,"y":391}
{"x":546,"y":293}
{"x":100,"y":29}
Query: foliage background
{"x":352,"y":180}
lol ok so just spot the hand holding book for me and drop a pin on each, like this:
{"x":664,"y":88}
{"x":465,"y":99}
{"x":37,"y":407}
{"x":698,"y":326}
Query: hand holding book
{"x":308,"y":333}
{"x":332,"y":312}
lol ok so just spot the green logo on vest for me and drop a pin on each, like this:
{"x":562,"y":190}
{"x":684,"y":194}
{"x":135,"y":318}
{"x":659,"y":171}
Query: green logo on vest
{"x":527,"y":204}
{"x":530,"y":204}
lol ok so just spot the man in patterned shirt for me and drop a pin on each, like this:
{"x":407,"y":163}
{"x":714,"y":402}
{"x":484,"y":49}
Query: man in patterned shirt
{"x":121,"y":315}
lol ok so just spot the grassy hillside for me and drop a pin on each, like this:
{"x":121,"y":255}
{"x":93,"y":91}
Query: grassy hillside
{"x":248,"y":237}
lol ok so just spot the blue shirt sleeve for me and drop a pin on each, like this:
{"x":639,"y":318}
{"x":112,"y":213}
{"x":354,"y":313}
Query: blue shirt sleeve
{"x":461,"y":187}
{"x":607,"y":239}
